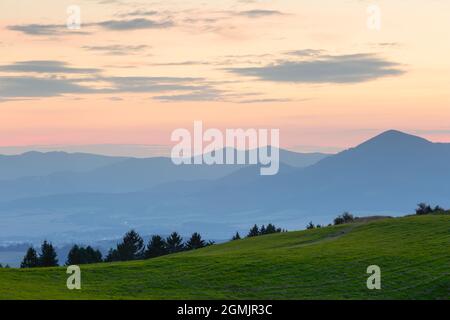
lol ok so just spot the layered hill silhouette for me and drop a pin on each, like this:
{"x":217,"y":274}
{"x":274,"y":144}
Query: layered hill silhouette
{"x":387,"y":174}
{"x":38,"y":174}
{"x":39,"y":164}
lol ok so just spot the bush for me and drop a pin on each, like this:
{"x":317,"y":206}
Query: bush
{"x":423,"y":208}
{"x":346,"y":217}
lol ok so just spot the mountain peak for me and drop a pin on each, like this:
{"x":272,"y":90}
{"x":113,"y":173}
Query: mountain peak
{"x":395,"y":138}
{"x":396,"y":133}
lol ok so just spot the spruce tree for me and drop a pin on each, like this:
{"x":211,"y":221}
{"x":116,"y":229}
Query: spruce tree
{"x":195,"y":242}
{"x":92,"y":255}
{"x":253,"y":231}
{"x":112,"y":256}
{"x":237,"y":236}
{"x":30,"y":260}
{"x":262,"y":231}
{"x":131,"y":248}
{"x":271,"y":229}
{"x":74,"y":256}
{"x":156,"y":247}
{"x":48,"y":257}
{"x":174,"y":243}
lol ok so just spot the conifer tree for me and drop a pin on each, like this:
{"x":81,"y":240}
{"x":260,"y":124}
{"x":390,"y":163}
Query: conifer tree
{"x":30,"y":260}
{"x":48,"y":257}
{"x":156,"y":247}
{"x":131,"y":248}
{"x":174,"y":243}
{"x":262,"y":231}
{"x":237,"y":236}
{"x":253,"y":231}
{"x":195,"y":242}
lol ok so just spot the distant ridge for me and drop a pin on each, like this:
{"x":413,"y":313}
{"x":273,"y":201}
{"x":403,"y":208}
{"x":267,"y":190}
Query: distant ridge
{"x":37,"y":174}
{"x":36,"y":164}
{"x":388,"y":174}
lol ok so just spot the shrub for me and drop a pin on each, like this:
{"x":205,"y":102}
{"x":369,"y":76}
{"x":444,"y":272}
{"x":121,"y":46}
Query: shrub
{"x":423,"y":208}
{"x":346,"y":217}
{"x":310,"y":226}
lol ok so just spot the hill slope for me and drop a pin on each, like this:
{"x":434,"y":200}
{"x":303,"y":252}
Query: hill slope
{"x":329,"y":263}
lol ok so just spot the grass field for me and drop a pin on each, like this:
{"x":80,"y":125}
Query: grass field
{"x":329,"y":263}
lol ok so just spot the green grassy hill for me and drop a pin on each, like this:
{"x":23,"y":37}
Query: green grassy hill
{"x":329,"y":263}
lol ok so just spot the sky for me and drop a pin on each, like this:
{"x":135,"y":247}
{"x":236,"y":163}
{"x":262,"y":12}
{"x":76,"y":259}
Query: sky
{"x":328,"y":74}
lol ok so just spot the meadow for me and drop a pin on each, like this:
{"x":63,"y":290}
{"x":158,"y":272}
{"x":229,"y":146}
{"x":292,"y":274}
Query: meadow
{"x":327,"y":263}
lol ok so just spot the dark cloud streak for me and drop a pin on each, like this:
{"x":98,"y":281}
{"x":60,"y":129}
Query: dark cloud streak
{"x":258,"y":13}
{"x":112,"y":25}
{"x":45,"y":66}
{"x":325,"y":69}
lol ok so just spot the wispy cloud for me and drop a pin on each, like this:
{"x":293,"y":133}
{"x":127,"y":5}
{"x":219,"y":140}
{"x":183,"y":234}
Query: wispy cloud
{"x":117,"y":49}
{"x":210,"y":93}
{"x":305,"y":52}
{"x":45,"y":66}
{"x":258,"y":13}
{"x":137,"y":13}
{"x":55,"y":78}
{"x":134,"y":24}
{"x":152,"y":84}
{"x":45,"y":29}
{"x":266,"y":100}
{"x":24,"y":86}
{"x":27,"y":86}
{"x":206,"y":93}
{"x":181,"y":63}
{"x":325,"y":69}
{"x":113,"y":25}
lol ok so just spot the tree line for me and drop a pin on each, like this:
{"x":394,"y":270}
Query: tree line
{"x":260,"y":231}
{"x":131,"y":247}
{"x":46,"y":258}
{"x":346,"y":217}
{"x":424,"y":208}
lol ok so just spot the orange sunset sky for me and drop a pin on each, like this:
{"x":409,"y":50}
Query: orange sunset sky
{"x":137,"y":70}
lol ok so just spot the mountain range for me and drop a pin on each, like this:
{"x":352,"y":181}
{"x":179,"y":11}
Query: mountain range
{"x":388,"y":174}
